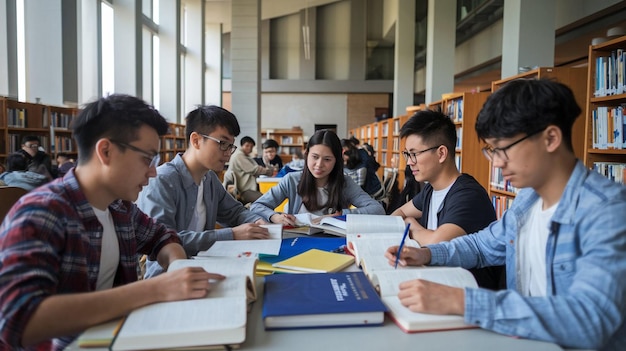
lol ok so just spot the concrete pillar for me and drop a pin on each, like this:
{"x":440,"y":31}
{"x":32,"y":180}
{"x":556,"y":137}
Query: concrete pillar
{"x":528,"y":35}
{"x":440,"y":48}
{"x":246,"y":67}
{"x":404,"y":57}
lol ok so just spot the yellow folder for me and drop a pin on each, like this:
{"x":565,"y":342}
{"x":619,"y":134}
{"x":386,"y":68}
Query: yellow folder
{"x":317,"y":261}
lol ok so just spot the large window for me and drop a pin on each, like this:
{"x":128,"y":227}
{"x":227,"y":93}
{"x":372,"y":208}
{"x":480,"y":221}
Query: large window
{"x":150,"y":52}
{"x":107,"y":50}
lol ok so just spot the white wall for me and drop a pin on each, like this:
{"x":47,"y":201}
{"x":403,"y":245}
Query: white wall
{"x":333,"y":41}
{"x":305,"y":110}
{"x":286,"y":43}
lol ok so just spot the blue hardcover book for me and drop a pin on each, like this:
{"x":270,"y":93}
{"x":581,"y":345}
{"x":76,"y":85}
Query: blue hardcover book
{"x":321,"y":300}
{"x":294,"y":246}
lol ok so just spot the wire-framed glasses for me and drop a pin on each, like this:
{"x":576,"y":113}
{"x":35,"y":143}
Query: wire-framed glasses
{"x":223,"y":145}
{"x":413,"y":155}
{"x":152,"y":160}
{"x":491,"y":152}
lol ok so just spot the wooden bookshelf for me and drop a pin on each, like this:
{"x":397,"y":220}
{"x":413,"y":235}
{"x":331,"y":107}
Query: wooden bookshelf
{"x":173,"y":142}
{"x":50,"y":123}
{"x":503,"y":193}
{"x":463,"y":109}
{"x":289,"y":140}
{"x":605,"y":146}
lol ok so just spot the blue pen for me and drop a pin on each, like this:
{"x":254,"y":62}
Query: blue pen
{"x":406,"y":232}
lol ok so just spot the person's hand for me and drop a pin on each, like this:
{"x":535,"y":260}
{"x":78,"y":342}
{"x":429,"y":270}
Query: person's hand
{"x":284,"y":219}
{"x":185,"y":283}
{"x":260,"y":221}
{"x":250,"y":231}
{"x":427,"y":297}
{"x":410,"y":256}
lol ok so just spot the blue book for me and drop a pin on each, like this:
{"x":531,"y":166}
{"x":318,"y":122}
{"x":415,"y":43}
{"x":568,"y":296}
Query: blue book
{"x":294,"y":246}
{"x":321,"y":300}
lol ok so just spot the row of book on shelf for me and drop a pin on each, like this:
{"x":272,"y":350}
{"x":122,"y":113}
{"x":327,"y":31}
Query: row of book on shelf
{"x":18,"y":117}
{"x":501,"y":203}
{"x":339,"y":294}
{"x":608,"y":126}
{"x":498,"y":182}
{"x":613,"y":170}
{"x":610,"y":75}
{"x":455,"y":110}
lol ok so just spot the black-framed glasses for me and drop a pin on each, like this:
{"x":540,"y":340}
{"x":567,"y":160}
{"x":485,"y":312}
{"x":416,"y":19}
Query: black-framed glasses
{"x":223,"y":145}
{"x":413,"y":155}
{"x":490,"y":152}
{"x":153,"y":160}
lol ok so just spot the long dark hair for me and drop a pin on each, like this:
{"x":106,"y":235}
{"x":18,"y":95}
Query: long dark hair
{"x":307,"y":188}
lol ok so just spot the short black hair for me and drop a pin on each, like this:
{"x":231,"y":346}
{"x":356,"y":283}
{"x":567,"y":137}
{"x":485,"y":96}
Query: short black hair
{"x":270,"y":143}
{"x":28,"y":138}
{"x":116,"y":116}
{"x":204,"y":119}
{"x":433,"y":127}
{"x":17,"y":162}
{"x":247,"y":139}
{"x":528,"y":106}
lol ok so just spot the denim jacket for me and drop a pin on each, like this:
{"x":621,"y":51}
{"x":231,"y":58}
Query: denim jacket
{"x":585,"y":302}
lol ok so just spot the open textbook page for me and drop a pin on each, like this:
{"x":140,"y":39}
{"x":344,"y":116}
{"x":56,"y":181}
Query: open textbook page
{"x":236,"y":248}
{"x":218,"y":319}
{"x":388,"y":281}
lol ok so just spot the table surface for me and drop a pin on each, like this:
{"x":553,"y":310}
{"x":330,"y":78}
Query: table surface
{"x":386,"y":337}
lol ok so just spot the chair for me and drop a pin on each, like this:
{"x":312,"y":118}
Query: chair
{"x":390,"y":176}
{"x":9,"y":196}
{"x":230,"y":184}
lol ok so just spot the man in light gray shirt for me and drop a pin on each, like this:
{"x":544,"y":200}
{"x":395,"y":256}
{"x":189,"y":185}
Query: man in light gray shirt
{"x":187,"y":195}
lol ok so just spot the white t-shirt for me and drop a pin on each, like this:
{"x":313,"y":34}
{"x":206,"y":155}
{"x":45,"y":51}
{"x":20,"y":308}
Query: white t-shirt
{"x":110,"y":254}
{"x":436,"y":201}
{"x":531,"y":248}
{"x":198,"y":219}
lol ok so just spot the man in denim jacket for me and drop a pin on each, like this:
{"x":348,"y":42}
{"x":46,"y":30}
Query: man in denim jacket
{"x":563,"y":239}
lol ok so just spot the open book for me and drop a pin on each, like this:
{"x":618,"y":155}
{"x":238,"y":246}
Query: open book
{"x":308,"y":223}
{"x":387,"y":282}
{"x":235,"y":248}
{"x":348,"y":225}
{"x":218,"y":319}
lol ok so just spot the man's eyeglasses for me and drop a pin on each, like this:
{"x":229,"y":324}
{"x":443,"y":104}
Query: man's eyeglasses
{"x":153,"y":160}
{"x":223,"y":145}
{"x":413,"y":155}
{"x":491,"y":152}
{"x":32,"y":146}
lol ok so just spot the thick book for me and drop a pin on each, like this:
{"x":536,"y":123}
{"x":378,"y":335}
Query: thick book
{"x":387,"y":283}
{"x":348,"y":225}
{"x":320,"y":300}
{"x":316,"y":261}
{"x":218,"y":319}
{"x":307,"y":223}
